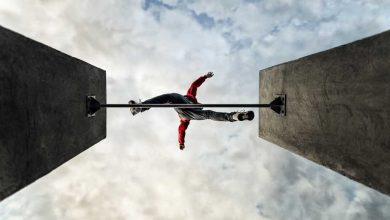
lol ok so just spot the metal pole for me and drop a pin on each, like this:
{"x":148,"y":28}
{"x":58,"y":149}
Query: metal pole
{"x":186,"y":105}
{"x":278,"y":105}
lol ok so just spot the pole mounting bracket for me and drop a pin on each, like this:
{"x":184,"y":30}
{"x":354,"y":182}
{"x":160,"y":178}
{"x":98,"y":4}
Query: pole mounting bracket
{"x":278,"y":105}
{"x":93,"y":105}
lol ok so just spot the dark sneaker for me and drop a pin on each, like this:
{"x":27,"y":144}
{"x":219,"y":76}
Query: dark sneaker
{"x":134,"y":111}
{"x":242,"y":116}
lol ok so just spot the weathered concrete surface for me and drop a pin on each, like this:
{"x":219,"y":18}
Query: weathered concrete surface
{"x":338,"y":109}
{"x":42,"y":109}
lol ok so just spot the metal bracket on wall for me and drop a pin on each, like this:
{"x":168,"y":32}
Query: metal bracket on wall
{"x":278,"y":105}
{"x":93,"y":106}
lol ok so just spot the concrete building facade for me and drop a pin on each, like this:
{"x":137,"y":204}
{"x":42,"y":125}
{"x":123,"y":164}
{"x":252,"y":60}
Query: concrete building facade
{"x":43,"y":119}
{"x":338,"y":109}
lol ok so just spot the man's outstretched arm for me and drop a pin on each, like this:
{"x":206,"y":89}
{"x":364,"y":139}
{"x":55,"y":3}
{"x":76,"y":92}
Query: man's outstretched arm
{"x":197,"y":83}
{"x":182,"y":132}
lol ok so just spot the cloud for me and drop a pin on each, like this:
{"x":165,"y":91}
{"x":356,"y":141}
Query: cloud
{"x":153,"y":47}
{"x":204,"y":20}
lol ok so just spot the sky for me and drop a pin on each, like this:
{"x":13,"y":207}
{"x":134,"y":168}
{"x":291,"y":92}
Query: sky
{"x":152,"y":47}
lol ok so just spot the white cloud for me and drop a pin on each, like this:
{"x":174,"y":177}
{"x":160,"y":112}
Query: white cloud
{"x":226,"y":172}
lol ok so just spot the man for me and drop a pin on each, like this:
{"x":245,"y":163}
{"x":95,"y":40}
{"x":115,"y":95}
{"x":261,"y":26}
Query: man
{"x":187,"y":114}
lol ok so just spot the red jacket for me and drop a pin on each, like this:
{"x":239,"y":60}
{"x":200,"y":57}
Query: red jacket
{"x":191,"y":95}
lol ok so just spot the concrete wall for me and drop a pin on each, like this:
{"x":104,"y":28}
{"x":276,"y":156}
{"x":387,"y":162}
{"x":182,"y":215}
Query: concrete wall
{"x":42,"y":109}
{"x":338,"y":109}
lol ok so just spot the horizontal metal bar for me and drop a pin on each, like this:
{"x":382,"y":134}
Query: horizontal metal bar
{"x":185,"y":105}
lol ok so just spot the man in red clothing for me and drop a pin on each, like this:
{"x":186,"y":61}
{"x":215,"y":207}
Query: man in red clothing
{"x":187,"y":114}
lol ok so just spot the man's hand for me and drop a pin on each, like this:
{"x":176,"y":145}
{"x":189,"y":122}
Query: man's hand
{"x":209,"y":74}
{"x":182,"y":146}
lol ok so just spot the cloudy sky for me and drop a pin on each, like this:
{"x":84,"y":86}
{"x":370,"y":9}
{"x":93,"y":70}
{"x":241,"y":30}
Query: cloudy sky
{"x":151,"y":47}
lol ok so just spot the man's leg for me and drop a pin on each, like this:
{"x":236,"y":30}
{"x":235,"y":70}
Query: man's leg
{"x":173,"y":98}
{"x":198,"y":114}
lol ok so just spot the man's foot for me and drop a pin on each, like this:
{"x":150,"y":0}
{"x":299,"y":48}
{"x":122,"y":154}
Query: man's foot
{"x":134,"y":110}
{"x":242,"y":116}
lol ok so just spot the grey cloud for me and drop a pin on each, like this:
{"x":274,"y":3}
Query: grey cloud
{"x":204,"y":20}
{"x":147,"y":4}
